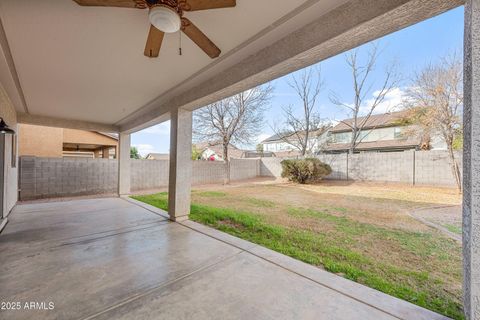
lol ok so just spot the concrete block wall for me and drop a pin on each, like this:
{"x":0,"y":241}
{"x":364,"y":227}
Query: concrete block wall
{"x":390,"y":167}
{"x":148,"y":174}
{"x":205,"y":172}
{"x":339,"y":165}
{"x":151,"y":174}
{"x":57,"y":177}
{"x":412,"y":167}
{"x":434,"y":168}
{"x":241,"y":169}
{"x":270,"y":167}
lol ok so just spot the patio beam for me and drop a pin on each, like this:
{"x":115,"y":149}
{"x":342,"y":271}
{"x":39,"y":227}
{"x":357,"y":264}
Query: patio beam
{"x":27,"y":118}
{"x":123,"y":164}
{"x":471,"y":161}
{"x":180,"y":176}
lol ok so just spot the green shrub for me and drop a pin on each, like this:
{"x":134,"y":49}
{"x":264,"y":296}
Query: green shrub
{"x":305,"y":170}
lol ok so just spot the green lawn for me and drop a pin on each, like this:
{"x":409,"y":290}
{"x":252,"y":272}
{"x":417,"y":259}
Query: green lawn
{"x":454,"y":228}
{"x":356,"y":250}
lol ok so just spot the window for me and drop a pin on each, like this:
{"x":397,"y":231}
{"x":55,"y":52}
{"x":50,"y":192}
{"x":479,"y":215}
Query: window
{"x":342,"y":137}
{"x":397,"y":133}
{"x":363,"y":135}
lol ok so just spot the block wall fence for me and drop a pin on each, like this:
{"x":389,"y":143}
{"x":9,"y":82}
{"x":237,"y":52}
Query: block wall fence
{"x":410,"y":167}
{"x":57,"y":177}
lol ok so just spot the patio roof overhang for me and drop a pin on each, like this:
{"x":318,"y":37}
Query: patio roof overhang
{"x":91,"y":72}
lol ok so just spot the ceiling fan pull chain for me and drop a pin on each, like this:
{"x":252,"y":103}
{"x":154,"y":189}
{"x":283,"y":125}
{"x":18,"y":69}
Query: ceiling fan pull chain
{"x":180,"y":42}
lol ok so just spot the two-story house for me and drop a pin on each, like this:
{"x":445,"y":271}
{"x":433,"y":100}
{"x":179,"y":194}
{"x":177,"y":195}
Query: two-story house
{"x":381,"y":133}
{"x":285,"y":144}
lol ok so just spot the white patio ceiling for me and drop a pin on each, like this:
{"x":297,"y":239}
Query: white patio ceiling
{"x":86,"y":63}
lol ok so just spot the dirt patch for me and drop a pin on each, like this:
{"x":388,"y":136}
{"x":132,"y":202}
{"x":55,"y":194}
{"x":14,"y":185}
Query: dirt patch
{"x":360,"y":201}
{"x":388,"y":191}
{"x":232,"y":224}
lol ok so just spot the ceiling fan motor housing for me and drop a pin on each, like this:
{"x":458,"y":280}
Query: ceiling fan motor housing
{"x":165,"y":18}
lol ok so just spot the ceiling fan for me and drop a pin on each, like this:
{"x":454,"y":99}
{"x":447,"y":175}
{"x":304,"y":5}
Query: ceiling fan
{"x":166,"y":16}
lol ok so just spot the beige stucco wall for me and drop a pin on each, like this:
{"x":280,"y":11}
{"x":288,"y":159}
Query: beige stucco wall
{"x":10,"y":183}
{"x":87,"y":137}
{"x":40,"y":141}
{"x":48,"y":142}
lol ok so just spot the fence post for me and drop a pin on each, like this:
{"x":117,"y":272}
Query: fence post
{"x":347,"y":164}
{"x":414,"y":165}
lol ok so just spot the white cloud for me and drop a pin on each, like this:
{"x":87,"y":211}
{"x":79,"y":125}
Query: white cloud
{"x":144,"y":149}
{"x":159,"y":129}
{"x":392,"y":101}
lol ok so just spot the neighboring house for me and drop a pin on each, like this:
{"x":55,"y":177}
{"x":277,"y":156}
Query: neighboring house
{"x":381,"y":133}
{"x":214,"y":151}
{"x":283,"y":145}
{"x":158,"y":156}
{"x":52,"y":142}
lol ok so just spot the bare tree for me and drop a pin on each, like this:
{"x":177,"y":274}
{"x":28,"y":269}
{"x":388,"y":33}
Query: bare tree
{"x":298,"y":130}
{"x":361,"y":110}
{"x":234,"y":120}
{"x":435,"y":101}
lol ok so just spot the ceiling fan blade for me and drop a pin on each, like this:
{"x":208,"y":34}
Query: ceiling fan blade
{"x":194,"y":5}
{"x":200,"y":38}
{"x":154,"y":42}
{"x":139,"y":4}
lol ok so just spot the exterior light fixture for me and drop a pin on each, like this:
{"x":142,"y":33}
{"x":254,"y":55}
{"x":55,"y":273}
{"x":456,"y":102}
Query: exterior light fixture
{"x":164,"y":19}
{"x":4,"y":129}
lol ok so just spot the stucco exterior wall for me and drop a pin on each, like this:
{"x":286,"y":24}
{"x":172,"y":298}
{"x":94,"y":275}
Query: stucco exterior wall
{"x":10,"y":173}
{"x":87,"y":137}
{"x":40,"y":141}
{"x":471,"y":149}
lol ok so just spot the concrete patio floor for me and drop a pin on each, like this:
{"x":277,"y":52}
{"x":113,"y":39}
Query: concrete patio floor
{"x":115,"y":258}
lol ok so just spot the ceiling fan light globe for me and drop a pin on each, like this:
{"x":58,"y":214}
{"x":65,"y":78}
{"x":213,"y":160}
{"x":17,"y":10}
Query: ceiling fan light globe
{"x":164,"y":19}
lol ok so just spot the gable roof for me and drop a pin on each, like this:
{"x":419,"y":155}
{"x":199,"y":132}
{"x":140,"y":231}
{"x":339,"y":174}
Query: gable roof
{"x":158,"y":156}
{"x":110,"y":135}
{"x":400,"y":144}
{"x":217,"y":147}
{"x":375,"y":121}
{"x":281,"y":136}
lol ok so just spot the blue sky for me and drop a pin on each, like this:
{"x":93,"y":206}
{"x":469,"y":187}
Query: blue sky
{"x":410,"y":49}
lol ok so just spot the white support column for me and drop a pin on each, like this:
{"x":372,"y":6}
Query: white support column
{"x":471,"y":161}
{"x":2,"y":178}
{"x":180,"y":178}
{"x":123,"y":164}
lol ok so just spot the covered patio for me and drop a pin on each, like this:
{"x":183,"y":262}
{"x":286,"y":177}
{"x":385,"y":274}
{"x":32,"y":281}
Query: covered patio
{"x":115,"y":258}
{"x":64,"y":65}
